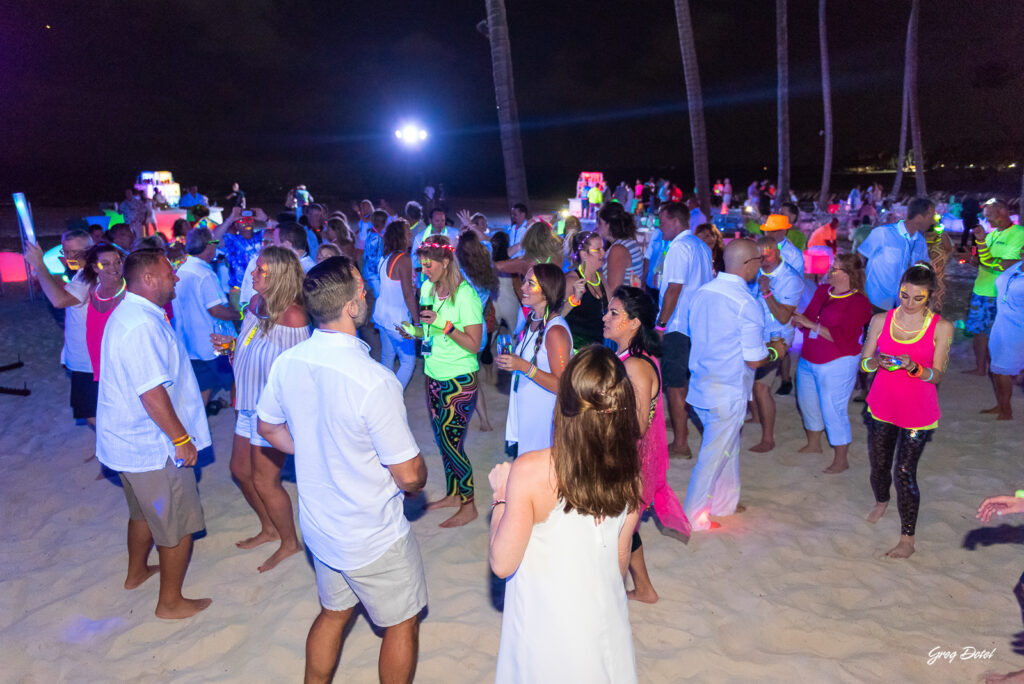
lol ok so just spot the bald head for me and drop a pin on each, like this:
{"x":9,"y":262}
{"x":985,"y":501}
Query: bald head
{"x":742,"y":258}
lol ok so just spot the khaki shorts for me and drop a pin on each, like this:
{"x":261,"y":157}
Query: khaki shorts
{"x":392,"y":588}
{"x":167,"y":499}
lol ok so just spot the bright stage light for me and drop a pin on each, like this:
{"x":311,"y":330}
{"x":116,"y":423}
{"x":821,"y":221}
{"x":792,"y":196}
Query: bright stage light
{"x":411,"y":134}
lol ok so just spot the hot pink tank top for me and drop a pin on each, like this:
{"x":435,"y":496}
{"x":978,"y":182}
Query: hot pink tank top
{"x":95,"y":322}
{"x":897,"y":398}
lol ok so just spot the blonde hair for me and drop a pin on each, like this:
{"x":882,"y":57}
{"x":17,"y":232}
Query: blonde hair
{"x":541,"y":245}
{"x":284,"y":283}
{"x":439,"y":248}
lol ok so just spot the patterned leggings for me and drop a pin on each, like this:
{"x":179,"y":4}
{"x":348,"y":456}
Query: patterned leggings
{"x":884,"y":439}
{"x":451,"y":403}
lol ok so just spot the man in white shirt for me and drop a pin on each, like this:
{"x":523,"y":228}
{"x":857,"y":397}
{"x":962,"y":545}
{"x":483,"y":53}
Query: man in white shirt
{"x":778,"y":289}
{"x":727,"y":330}
{"x":149,"y":426}
{"x":73,"y":297}
{"x":199,"y":304}
{"x":687,"y":267}
{"x":437,"y":226}
{"x":352,"y":464}
{"x":517,"y":228}
{"x":293,"y":236}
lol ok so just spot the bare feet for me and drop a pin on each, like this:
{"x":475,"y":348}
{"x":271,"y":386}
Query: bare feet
{"x":1004,"y":416}
{"x":974,"y":371}
{"x":994,"y":409}
{"x":740,"y":508}
{"x":649,"y":596}
{"x":1012,"y":677}
{"x":763,"y":447}
{"x":679,"y":450}
{"x":447,"y":502}
{"x":902,"y":550}
{"x":808,"y":449}
{"x":877,"y":512}
{"x":837,"y":467}
{"x":132,"y":581}
{"x":262,"y":538}
{"x":89,"y":459}
{"x":467,"y":513}
{"x":183,"y":608}
{"x":279,"y":556}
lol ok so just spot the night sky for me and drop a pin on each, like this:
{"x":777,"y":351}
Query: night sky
{"x":282,"y":92}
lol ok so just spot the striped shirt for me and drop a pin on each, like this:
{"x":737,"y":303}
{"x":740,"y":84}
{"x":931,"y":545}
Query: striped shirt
{"x":635,"y":270}
{"x":255,"y":353}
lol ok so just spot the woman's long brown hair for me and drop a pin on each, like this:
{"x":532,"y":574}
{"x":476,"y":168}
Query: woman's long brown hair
{"x":596,"y":435}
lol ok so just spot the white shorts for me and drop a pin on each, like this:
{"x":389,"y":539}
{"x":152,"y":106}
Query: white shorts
{"x":245,"y":426}
{"x":392,"y":588}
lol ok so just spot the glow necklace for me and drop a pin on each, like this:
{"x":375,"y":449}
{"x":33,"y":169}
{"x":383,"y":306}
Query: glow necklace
{"x":597,"y":273}
{"x":927,"y":319}
{"x":96,"y":293}
{"x":840,"y":296}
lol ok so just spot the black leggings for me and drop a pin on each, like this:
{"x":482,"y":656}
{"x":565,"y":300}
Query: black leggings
{"x":885,"y":439}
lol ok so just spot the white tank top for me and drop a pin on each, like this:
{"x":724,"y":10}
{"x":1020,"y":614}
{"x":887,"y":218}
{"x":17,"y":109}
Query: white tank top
{"x":390,"y":309}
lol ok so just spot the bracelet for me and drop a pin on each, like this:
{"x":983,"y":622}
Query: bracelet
{"x":181,"y":441}
{"x":767,"y":294}
{"x":931,"y":374}
{"x":917,"y":372}
{"x":496,"y":503}
{"x":531,"y":371}
{"x":773,"y":355}
{"x":573,"y":301}
{"x":660,"y":327}
{"x":448,"y":327}
{"x":864,"y":365}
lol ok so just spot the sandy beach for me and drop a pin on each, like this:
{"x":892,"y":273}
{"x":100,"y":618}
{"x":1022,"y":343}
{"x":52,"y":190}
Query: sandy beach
{"x":794,"y":589}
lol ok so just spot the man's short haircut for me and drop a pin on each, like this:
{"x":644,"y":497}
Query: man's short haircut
{"x":437,"y":210}
{"x":414,"y":211}
{"x":197,"y":240}
{"x":75,"y":234}
{"x":764,"y":242}
{"x":139,"y":262}
{"x":328,"y":287}
{"x":792,"y":208}
{"x":676,"y":210}
{"x":379,"y":218}
{"x":919,"y":206}
{"x":521,"y":207}
{"x":293,"y":234}
{"x":200,"y":211}
{"x":119,"y":229}
{"x":997,"y":203}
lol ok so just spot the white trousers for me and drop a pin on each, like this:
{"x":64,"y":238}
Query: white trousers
{"x":823,"y":394}
{"x":715,"y":481}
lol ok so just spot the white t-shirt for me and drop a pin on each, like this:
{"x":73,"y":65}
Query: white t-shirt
{"x":197,"y":290}
{"x":726,"y":331}
{"x":141,"y":351}
{"x":75,"y":355}
{"x":350,"y":509}
{"x":688,"y":263}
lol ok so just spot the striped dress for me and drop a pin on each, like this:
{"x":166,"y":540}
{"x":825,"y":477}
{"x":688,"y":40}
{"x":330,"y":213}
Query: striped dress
{"x":255,"y":352}
{"x":635,"y":270}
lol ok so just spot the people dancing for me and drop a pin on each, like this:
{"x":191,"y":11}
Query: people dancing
{"x":588,"y":300}
{"x":833,"y":323}
{"x":396,"y":301}
{"x":452,"y":328}
{"x":629,"y":323}
{"x":541,"y":352}
{"x":908,"y":348}
{"x":560,"y":534}
{"x":274,"y":321}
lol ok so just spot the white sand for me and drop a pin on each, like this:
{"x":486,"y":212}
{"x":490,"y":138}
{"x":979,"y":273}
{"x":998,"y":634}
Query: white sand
{"x":794,"y":589}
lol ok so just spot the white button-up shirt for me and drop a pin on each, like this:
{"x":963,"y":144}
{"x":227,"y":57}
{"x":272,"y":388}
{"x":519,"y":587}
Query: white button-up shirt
{"x":140,"y":351}
{"x":787,"y":288}
{"x":890,"y":251}
{"x":347,"y":418}
{"x":726,"y":330}
{"x":197,"y":290}
{"x":687,"y":263}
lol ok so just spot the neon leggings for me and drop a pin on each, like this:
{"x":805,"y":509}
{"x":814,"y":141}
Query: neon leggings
{"x":883,"y":440}
{"x":451,"y":403}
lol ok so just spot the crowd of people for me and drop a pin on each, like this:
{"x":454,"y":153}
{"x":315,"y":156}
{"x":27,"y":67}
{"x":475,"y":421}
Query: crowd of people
{"x":310,"y":326}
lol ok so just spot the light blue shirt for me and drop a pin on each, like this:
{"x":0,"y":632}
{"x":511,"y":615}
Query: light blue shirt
{"x":890,"y":251}
{"x":1010,"y":295}
{"x":792,"y":255}
{"x":655,"y":254}
{"x":726,"y":331}
{"x":787,"y":288}
{"x":196,"y":292}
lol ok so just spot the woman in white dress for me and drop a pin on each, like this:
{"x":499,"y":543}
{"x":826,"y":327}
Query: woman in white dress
{"x":542,"y":349}
{"x":561,"y":524}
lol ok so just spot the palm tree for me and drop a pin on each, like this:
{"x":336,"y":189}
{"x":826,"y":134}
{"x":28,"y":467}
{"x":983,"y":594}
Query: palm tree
{"x":695,"y":105}
{"x":915,"y":120}
{"x":495,"y":27}
{"x":826,"y":98}
{"x":902,"y":155}
{"x":782,"y":55}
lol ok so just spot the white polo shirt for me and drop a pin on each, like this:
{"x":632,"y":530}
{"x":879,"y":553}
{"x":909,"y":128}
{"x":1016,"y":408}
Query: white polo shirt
{"x":787,"y":288}
{"x":75,"y":354}
{"x":197,"y":290}
{"x":687,"y":263}
{"x":726,"y":331}
{"x":347,"y":418}
{"x":141,"y":351}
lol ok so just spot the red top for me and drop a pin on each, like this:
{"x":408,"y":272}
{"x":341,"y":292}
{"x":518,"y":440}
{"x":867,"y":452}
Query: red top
{"x":845,"y":318}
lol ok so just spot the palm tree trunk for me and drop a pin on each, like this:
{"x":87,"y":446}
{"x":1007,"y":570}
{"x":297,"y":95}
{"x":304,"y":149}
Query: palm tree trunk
{"x":505,"y":95}
{"x":782,"y":53}
{"x":901,"y":155}
{"x":695,"y":105}
{"x":915,"y":120}
{"x":826,"y":99}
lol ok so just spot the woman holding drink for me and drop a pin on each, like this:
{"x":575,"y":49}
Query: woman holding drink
{"x":274,"y":321}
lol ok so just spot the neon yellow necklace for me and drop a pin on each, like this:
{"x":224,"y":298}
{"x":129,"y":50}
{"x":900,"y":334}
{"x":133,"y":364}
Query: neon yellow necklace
{"x":840,"y":296}
{"x":927,"y":319}
{"x":597,"y":273}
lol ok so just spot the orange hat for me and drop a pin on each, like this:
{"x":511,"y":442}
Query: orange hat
{"x":775,"y":222}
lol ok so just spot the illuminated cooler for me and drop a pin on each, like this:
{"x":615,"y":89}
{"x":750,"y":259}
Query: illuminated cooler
{"x":148,"y":181}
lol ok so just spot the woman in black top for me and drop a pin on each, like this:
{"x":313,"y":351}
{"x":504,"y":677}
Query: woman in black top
{"x":587,"y":301}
